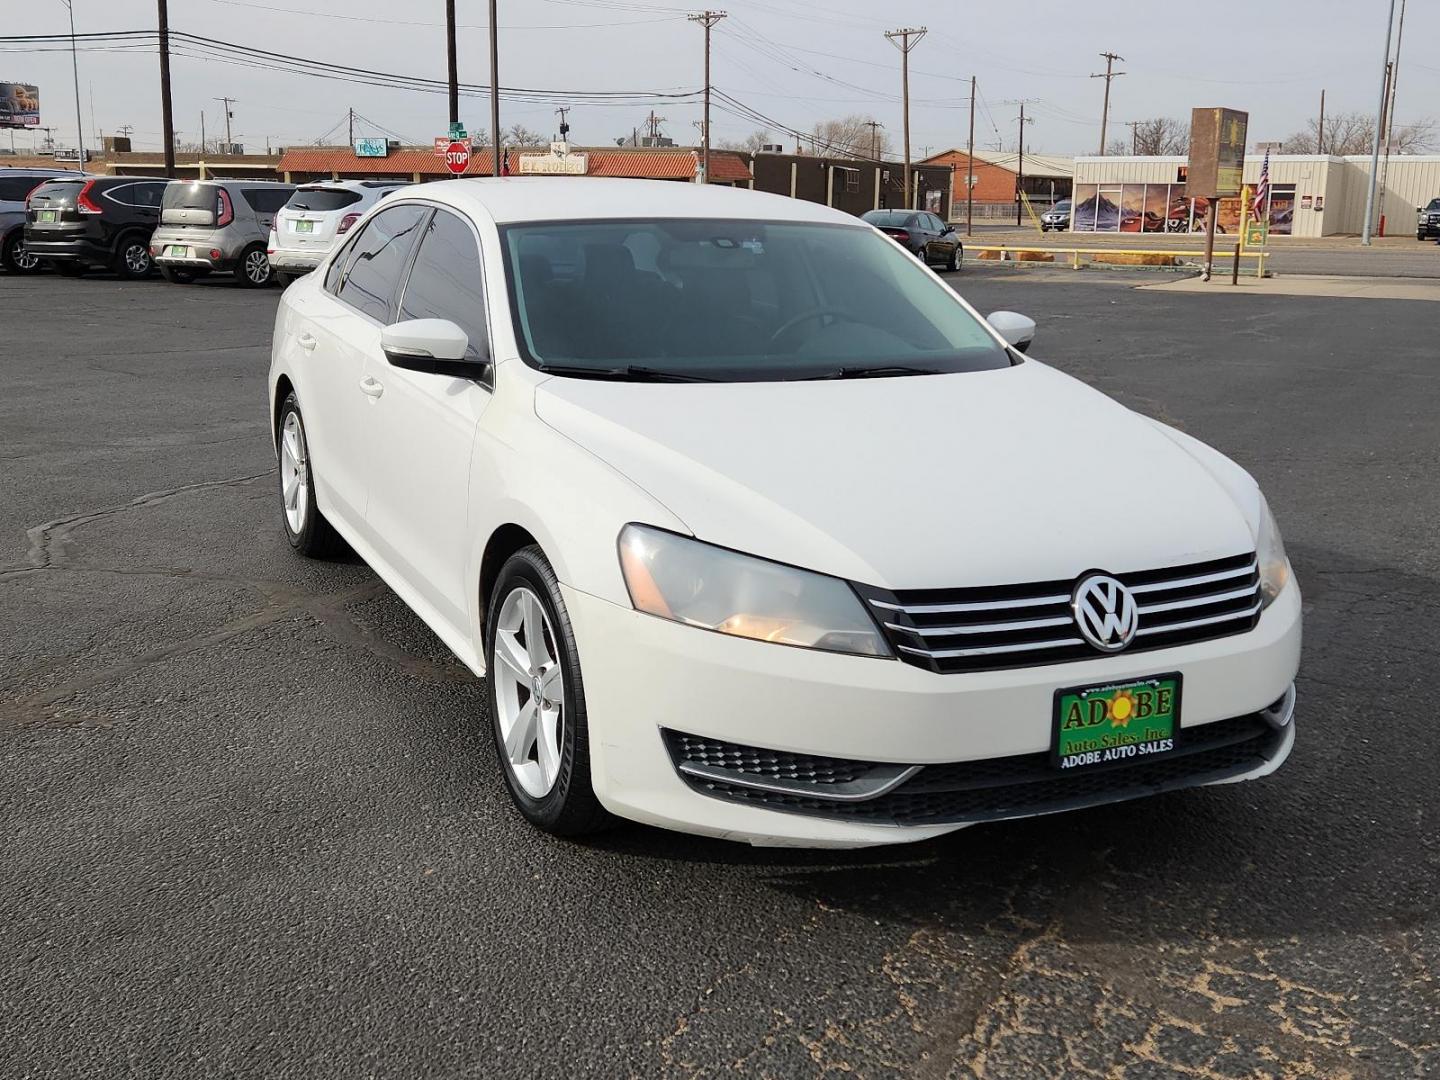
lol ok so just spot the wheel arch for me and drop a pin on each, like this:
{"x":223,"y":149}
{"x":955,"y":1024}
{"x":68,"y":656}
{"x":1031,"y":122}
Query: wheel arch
{"x":504,"y":542}
{"x":283,"y":389}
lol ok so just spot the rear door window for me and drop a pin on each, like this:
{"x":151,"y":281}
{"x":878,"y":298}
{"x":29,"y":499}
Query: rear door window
{"x":446,"y":281}
{"x":377,"y":260}
{"x":123,"y":194}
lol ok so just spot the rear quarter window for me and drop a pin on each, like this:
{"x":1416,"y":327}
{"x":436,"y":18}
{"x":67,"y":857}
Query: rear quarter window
{"x":15,"y":188}
{"x":265,"y":200}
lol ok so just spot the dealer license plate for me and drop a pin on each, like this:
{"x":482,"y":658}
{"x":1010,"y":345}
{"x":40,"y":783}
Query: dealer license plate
{"x":1113,"y":723}
{"x":47,"y":217}
{"x":305,"y":226}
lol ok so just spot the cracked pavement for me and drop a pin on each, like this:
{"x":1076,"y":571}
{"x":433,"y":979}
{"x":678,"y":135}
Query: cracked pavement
{"x":252,"y":823}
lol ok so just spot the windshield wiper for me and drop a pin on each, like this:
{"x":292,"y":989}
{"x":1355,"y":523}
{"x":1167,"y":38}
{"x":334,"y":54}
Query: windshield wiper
{"x":879,"y":371}
{"x":635,"y":372}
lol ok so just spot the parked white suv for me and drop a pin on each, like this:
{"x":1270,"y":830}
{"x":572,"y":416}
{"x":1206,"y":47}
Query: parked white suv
{"x":317,"y":217}
{"x":760,"y":530}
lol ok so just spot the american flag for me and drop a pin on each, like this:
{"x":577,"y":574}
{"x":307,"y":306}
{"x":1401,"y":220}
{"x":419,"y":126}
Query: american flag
{"x":1262,"y":189}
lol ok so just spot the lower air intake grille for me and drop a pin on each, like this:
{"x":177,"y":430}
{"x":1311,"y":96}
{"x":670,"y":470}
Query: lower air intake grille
{"x":973,"y":791}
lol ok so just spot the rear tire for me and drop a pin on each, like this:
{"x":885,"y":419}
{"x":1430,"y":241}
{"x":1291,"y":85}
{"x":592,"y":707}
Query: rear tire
{"x":16,"y":259}
{"x":253,"y":270}
{"x":132,"y":259}
{"x":547,"y":760}
{"x":305,"y":526}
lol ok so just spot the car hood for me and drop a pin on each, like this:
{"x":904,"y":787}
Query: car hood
{"x":982,"y":478}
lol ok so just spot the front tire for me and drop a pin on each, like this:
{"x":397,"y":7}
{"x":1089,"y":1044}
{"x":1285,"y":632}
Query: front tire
{"x":16,"y":259}
{"x":957,"y":256}
{"x":305,"y":527}
{"x":537,"y":699}
{"x":253,"y":270}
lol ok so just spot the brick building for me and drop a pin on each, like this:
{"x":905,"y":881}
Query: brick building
{"x":1047,"y":179}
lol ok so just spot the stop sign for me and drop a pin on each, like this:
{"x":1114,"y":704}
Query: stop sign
{"x":457,"y":157}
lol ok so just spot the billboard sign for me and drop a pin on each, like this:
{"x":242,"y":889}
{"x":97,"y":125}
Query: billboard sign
{"x":1217,"y":153}
{"x":372,"y":148}
{"x":19,"y":105}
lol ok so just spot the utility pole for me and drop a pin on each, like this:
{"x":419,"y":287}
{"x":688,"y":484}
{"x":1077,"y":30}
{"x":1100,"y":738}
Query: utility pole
{"x":227,"y":102}
{"x":495,"y":164}
{"x":167,"y":120}
{"x":563,"y":111}
{"x":901,"y":39}
{"x":202,"y":132}
{"x":451,"y":63}
{"x":1320,"y":134}
{"x":75,"y":67}
{"x":1390,"y":109}
{"x":970,"y":166}
{"x":352,"y":125}
{"x":1134,"y":126}
{"x":1110,"y":74}
{"x":1375,"y":147}
{"x":874,"y":126}
{"x":707,"y":19}
{"x":1020,"y":166}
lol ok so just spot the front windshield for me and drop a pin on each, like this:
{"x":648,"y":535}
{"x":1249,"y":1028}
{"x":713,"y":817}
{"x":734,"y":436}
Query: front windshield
{"x":734,"y":301}
{"x":1434,"y":204}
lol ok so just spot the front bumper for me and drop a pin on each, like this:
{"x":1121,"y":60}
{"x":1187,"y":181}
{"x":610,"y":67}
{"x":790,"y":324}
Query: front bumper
{"x":1426,"y":230}
{"x":644,"y":676}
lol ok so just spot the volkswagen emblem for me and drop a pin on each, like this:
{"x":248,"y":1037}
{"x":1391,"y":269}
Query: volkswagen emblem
{"x":1105,"y":612}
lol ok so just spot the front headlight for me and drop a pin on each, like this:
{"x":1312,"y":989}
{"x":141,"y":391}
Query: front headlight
{"x":1270,"y":552}
{"x":710,"y":587}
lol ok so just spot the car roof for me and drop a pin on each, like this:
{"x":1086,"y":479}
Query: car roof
{"x":351,"y":185}
{"x":509,"y":200}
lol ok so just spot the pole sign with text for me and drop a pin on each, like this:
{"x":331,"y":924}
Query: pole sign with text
{"x":1217,"y":153}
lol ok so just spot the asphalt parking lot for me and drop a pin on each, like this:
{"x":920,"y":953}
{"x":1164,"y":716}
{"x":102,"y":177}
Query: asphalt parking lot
{"x":253,"y":825}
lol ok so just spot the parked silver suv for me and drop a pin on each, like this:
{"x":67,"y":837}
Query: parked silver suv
{"x":209,"y":226}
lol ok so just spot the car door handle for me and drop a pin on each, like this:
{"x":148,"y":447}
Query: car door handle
{"x":371,"y":387}
{"x":307,"y":342}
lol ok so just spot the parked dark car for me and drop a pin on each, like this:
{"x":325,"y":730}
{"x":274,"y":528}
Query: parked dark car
{"x":921,"y":233}
{"x":15,"y":186}
{"x":1427,"y":224}
{"x":1057,"y":217}
{"x":75,"y":224}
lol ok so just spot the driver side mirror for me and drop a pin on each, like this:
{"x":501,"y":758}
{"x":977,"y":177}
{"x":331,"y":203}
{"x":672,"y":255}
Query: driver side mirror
{"x":433,"y":346}
{"x":1017,"y":330}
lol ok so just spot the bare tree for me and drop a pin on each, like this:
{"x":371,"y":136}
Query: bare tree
{"x":1354,"y":133}
{"x":849,"y":137}
{"x":750,"y":143}
{"x":1161,"y":136}
{"x":1117,"y":148}
{"x":520,"y":135}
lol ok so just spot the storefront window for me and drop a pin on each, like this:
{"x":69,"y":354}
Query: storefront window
{"x":1132,"y":207}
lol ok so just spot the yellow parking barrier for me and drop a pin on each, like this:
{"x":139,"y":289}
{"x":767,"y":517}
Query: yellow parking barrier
{"x":1076,"y":252}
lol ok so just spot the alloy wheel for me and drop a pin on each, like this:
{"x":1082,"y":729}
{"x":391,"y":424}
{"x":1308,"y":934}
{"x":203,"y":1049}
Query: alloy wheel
{"x":257,"y":267}
{"x":137,"y":259}
{"x":24,"y":260}
{"x":529,"y":692}
{"x":294,"y":472}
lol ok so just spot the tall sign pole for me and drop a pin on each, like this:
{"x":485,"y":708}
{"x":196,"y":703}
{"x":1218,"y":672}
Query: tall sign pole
{"x":902,"y":40}
{"x":494,"y":92}
{"x":1379,"y":114}
{"x":167,"y":119}
{"x":970,"y":167}
{"x":75,"y":67}
{"x":451,"y":64}
{"x":1110,"y":75}
{"x":707,"y":19}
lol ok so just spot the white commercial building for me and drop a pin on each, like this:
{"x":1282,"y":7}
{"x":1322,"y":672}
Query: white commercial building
{"x":1310,"y":194}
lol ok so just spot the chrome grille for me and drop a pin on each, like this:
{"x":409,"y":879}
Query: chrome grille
{"x":1012,"y":626}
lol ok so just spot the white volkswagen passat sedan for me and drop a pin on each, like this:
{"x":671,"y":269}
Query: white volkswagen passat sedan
{"x":759,"y":530}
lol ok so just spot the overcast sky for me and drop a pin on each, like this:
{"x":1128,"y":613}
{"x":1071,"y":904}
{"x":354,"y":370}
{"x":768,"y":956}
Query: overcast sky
{"x":817,"y":61}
